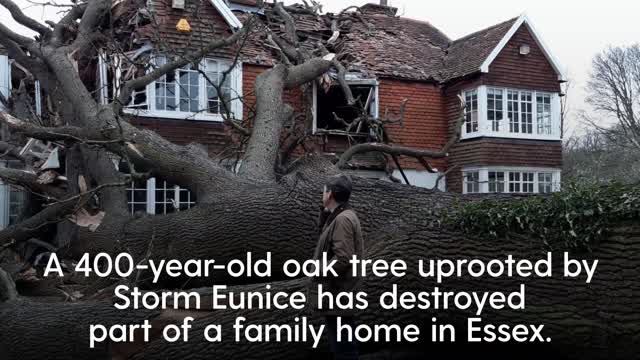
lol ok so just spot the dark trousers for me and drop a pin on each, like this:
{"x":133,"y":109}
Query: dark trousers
{"x":343,"y":350}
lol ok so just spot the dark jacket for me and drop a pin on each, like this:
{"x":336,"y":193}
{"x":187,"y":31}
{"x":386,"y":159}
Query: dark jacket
{"x":341,"y":238}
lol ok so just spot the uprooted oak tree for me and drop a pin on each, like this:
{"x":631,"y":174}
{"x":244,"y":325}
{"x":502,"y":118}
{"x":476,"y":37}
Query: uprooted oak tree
{"x":266,"y":206}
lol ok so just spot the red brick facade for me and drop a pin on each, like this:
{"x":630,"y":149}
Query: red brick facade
{"x":430,"y":113}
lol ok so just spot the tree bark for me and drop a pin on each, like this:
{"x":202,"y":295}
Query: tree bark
{"x":583,"y":321}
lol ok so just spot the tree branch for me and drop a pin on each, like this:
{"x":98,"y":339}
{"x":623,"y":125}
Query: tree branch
{"x":30,"y":181}
{"x":24,"y":20}
{"x":395,"y":150}
{"x":8,"y":290}
{"x":138,"y":83}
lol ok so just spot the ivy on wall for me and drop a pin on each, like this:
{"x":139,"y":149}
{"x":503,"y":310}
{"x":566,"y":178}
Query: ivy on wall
{"x":576,"y":218}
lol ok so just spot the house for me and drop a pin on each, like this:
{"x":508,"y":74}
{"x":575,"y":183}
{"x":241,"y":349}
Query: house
{"x":511,"y":139}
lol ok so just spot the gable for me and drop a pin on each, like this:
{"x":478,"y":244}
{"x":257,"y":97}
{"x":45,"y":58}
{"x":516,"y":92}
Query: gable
{"x":523,"y":25}
{"x":533,"y":71}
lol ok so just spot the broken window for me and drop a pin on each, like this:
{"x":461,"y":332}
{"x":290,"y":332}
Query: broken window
{"x":334,"y":114}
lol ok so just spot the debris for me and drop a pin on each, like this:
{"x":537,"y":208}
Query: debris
{"x":83,"y":219}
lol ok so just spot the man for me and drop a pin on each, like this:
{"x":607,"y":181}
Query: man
{"x":340,"y":238}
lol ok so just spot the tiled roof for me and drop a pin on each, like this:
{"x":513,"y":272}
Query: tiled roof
{"x":390,"y":46}
{"x":396,"y":47}
{"x":466,"y":55}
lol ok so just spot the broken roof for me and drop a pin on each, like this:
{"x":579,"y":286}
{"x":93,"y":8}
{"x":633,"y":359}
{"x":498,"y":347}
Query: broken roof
{"x":397,"y":47}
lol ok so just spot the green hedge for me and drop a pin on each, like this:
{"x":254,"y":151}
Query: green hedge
{"x":576,"y":218}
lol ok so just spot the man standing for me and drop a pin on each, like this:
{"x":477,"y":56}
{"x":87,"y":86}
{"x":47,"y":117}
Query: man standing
{"x":340,"y":238}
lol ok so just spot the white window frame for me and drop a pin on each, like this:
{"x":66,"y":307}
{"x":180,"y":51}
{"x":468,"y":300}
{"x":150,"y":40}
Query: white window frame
{"x":484,"y":178}
{"x":235,"y":82}
{"x":150,"y":203}
{"x":485,"y":126}
{"x":5,"y":78}
{"x":373,"y":107}
{"x":469,"y":109}
{"x":466,"y":183}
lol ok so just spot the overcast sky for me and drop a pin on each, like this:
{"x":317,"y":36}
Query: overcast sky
{"x":574,"y":30}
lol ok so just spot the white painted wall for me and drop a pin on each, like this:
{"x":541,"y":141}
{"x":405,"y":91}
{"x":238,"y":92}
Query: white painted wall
{"x":422,"y":179}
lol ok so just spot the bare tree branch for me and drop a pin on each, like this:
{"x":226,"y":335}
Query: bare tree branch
{"x":24,"y":20}
{"x":192,"y":57}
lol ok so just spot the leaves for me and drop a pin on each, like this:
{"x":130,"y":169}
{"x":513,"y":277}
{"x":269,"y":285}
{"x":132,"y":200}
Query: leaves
{"x":576,"y":218}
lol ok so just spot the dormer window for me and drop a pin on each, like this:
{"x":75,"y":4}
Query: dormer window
{"x":512,"y":113}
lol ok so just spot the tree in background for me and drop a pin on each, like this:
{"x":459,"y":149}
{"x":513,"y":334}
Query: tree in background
{"x":614,"y":92}
{"x":601,"y":157}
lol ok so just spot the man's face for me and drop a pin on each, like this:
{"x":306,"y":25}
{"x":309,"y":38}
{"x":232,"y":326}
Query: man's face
{"x":326,"y":197}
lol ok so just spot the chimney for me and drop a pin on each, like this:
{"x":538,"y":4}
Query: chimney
{"x":381,"y":8}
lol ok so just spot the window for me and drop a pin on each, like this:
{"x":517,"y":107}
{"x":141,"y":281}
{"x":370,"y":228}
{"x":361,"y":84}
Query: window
{"x":545,"y":182}
{"x":5,"y":78}
{"x":496,"y":181}
{"x":521,"y":182}
{"x":471,"y":111}
{"x":514,"y":182}
{"x":472,"y":182}
{"x":197,"y":92}
{"x":543,"y":102}
{"x":512,"y":113}
{"x":494,"y":108}
{"x":511,"y":180}
{"x":526,"y":112}
{"x":17,"y":203}
{"x":158,"y":197}
{"x":216,"y":102}
{"x":520,"y":111}
{"x":137,"y":197}
{"x":528,"y":182}
{"x":333,"y":113}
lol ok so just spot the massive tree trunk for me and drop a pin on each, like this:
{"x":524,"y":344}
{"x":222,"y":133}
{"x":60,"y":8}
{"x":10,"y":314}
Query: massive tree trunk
{"x":258,"y":210}
{"x":283,"y":218}
{"x":597,"y":320}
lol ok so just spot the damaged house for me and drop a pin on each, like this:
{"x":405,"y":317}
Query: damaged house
{"x":404,"y":71}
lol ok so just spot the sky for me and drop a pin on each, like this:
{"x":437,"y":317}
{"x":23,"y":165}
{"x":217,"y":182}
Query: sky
{"x":574,"y":30}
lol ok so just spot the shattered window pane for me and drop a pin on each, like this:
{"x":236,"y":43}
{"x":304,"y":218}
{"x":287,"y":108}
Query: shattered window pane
{"x":334,"y":112}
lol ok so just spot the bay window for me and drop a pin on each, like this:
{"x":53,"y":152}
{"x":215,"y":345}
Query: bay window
{"x":197,"y":92}
{"x":471,"y":182}
{"x":511,"y":113}
{"x":511,"y":180}
{"x":471,"y":111}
